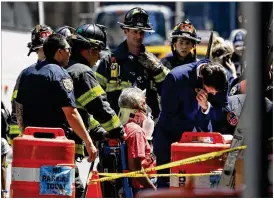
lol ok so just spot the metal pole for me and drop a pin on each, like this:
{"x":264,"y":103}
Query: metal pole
{"x":96,"y":5}
{"x":232,"y":16}
{"x":255,"y":167}
{"x":41,"y":12}
{"x":179,"y":12}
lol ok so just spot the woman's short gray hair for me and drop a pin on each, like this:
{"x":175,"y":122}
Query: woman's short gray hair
{"x":133,"y":98}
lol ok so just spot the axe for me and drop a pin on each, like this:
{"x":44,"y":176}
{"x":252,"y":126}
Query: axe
{"x":209,"y":45}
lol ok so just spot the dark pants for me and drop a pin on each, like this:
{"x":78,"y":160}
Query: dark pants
{"x":162,"y":151}
{"x":78,"y":184}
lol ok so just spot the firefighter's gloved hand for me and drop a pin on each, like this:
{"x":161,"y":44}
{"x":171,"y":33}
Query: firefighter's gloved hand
{"x":98,"y":134}
{"x":117,"y":133}
{"x":149,"y":61}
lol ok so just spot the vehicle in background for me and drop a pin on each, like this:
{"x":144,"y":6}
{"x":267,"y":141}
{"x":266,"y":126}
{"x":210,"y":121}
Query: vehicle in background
{"x":159,"y":16}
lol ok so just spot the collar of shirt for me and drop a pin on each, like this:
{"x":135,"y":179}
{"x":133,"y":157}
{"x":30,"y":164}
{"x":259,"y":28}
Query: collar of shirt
{"x":122,"y":50}
{"x":79,"y":59}
{"x":52,"y":61}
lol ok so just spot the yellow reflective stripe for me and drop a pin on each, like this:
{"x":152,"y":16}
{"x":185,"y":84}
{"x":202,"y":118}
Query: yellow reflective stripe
{"x":14,"y":94}
{"x":101,"y":79}
{"x":111,"y":124}
{"x":79,"y":149}
{"x":113,"y":85}
{"x":80,"y":106}
{"x":93,"y":123}
{"x":90,"y":95}
{"x":14,"y":129}
{"x":9,"y":140}
{"x":160,"y":77}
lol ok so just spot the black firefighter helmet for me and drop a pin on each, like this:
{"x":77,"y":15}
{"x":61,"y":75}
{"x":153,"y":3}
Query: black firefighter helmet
{"x":89,"y":36}
{"x":137,"y":18}
{"x":38,"y":36}
{"x":186,"y":30}
{"x":65,"y":31}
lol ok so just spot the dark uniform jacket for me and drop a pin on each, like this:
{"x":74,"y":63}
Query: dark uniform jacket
{"x":182,"y":113}
{"x":14,"y":130}
{"x":239,"y":64}
{"x":43,"y":89}
{"x":125,"y":71}
{"x":180,"y":109}
{"x":172,"y":61}
{"x":91,"y":99}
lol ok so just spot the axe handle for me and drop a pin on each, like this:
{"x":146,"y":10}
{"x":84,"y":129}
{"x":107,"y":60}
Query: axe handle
{"x":209,"y":45}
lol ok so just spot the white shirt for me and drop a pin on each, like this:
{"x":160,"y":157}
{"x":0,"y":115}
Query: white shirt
{"x":4,"y":147}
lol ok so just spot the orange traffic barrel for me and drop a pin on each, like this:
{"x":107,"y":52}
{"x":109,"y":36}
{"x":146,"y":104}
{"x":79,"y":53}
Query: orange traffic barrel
{"x":194,"y":144}
{"x":43,"y":164}
{"x":93,"y":187}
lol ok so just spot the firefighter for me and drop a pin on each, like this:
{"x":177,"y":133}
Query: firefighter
{"x":38,"y":36}
{"x":184,"y":39}
{"x":131,"y":65}
{"x":68,"y":31}
{"x":193,"y":95}
{"x":90,"y":97}
{"x":45,"y":96}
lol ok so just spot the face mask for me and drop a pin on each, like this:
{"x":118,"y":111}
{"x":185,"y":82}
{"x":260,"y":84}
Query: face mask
{"x":139,"y":117}
{"x":148,"y":126}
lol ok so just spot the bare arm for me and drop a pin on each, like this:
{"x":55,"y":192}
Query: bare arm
{"x":76,"y":123}
{"x":134,"y":165}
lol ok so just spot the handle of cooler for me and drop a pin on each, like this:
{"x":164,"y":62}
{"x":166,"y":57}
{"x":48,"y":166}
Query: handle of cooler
{"x":202,"y":137}
{"x":58,"y":132}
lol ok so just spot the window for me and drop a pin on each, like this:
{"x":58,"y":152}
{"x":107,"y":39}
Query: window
{"x":19,"y":15}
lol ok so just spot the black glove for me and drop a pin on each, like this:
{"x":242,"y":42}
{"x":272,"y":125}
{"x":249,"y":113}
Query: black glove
{"x":98,"y":133}
{"x":149,"y":61}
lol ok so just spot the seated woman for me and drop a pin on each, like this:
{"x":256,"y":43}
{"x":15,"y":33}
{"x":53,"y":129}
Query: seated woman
{"x":138,"y":127}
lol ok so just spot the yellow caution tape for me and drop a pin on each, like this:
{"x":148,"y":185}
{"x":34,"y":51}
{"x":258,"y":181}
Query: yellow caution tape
{"x":195,"y":159}
{"x":161,"y":175}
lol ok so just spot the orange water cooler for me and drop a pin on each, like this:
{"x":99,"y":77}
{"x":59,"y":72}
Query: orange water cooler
{"x":43,"y":164}
{"x":194,"y":144}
